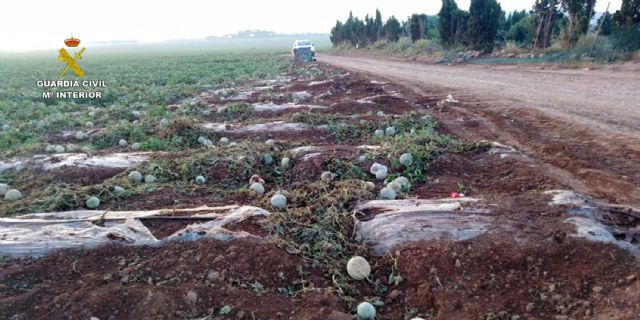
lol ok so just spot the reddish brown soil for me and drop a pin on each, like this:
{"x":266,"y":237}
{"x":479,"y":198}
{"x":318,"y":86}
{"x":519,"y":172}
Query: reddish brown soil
{"x":311,"y":169}
{"x":489,"y":277}
{"x":85,"y":176}
{"x":162,"y":228}
{"x":483,"y":174}
{"x":575,"y":155}
{"x":153,"y":283}
{"x":255,"y":225}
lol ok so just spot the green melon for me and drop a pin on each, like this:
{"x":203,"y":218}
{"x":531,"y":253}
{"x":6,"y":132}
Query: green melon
{"x":3,"y":188}
{"x":406,"y":159}
{"x":366,"y":311}
{"x":12,"y":195}
{"x":93,"y":202}
{"x":279,"y":201}
{"x":258,"y":188}
{"x":135,"y":177}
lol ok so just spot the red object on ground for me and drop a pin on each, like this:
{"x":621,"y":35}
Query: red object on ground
{"x":455,"y":195}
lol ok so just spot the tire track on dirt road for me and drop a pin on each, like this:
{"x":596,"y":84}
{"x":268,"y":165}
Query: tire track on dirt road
{"x":584,"y":124}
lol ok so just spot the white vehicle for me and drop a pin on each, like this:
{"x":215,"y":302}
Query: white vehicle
{"x":303,"y":50}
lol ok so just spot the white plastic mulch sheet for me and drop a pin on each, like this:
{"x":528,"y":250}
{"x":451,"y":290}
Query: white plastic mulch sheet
{"x":592,"y":220}
{"x":54,"y":161}
{"x":260,"y":107}
{"x":37,"y":234}
{"x":416,"y":219}
{"x":258,"y":127}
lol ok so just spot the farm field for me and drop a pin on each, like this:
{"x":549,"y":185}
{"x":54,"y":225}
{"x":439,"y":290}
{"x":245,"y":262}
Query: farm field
{"x":238,"y":185}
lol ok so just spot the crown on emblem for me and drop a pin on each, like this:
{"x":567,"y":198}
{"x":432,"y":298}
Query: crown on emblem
{"x":72,"y":42}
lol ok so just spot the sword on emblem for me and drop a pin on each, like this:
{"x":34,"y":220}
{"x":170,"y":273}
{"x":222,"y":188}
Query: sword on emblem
{"x":71,"y":62}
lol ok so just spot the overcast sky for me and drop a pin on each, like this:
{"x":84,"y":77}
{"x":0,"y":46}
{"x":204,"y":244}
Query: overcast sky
{"x":43,"y":24}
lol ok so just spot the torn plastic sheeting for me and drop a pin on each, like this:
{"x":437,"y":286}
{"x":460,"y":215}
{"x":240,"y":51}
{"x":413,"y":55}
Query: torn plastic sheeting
{"x":594,"y":231}
{"x":562,"y":197}
{"x":238,"y":96}
{"x":415,"y":220}
{"x":275,"y":126}
{"x":301,"y":151}
{"x":566,"y":197}
{"x":370,"y":99}
{"x":316,"y":83}
{"x":310,"y":156}
{"x":214,"y":229}
{"x":36,"y":237}
{"x":281,"y":80}
{"x":216,"y":233}
{"x":259,"y":127}
{"x":260,"y":107}
{"x":49,"y":162}
{"x":420,"y":205}
{"x":505,"y":151}
{"x":593,"y":219}
{"x":93,"y":215}
{"x":368,"y":147}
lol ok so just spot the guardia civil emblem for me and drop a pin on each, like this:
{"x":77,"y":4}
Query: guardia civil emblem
{"x":71,"y":62}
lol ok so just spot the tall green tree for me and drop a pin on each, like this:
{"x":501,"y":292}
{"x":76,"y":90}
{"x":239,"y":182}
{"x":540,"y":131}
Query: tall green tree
{"x":626,"y":25}
{"x":628,"y":15}
{"x":448,"y":23}
{"x":336,"y":33}
{"x":417,"y":26}
{"x":432,"y":27}
{"x":484,"y":18}
{"x":392,"y":29}
{"x":514,"y":17}
{"x":523,"y":32}
{"x":461,"y":23}
{"x":580,"y":13}
{"x":370,"y":29}
{"x":378,"y":25}
{"x":359,"y":33}
{"x":507,"y":21}
{"x":606,"y":26}
{"x":547,"y":14}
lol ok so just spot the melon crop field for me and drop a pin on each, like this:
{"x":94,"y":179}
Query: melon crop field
{"x":236,"y":184}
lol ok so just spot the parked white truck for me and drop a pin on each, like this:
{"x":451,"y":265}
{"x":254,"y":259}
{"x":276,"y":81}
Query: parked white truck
{"x":303,"y":50}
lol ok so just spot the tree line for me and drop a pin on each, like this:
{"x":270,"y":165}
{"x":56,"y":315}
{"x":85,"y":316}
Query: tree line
{"x":359,"y":32}
{"x":486,"y":25}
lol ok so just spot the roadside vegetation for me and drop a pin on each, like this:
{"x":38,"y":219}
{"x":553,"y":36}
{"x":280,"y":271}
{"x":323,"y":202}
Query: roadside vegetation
{"x":553,"y":29}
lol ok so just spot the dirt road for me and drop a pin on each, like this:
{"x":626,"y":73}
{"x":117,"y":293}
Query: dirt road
{"x":605,"y":99}
{"x":585,"y":124}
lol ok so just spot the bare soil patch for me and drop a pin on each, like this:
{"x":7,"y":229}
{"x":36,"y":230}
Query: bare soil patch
{"x":145,"y":283}
{"x":85,"y":176}
{"x":493,"y":278}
